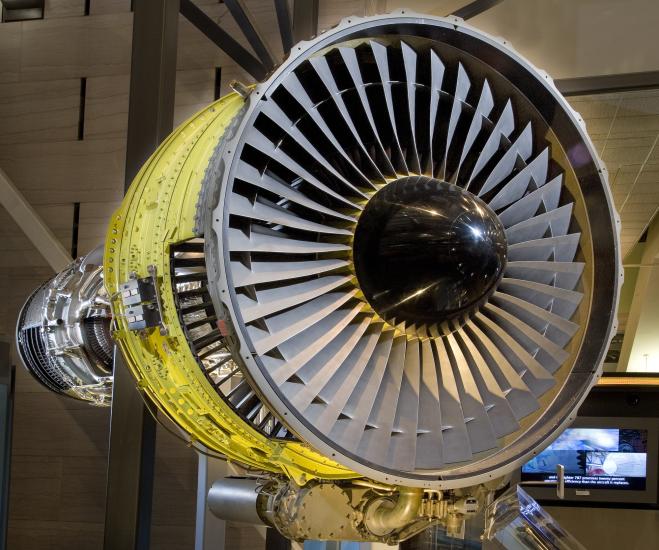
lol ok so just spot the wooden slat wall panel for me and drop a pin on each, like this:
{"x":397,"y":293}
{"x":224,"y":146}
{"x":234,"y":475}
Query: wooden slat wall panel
{"x":198,"y":52}
{"x":60,"y":426}
{"x":59,"y":454}
{"x":106,"y":110}
{"x":330,"y":13}
{"x":174,"y":498}
{"x":36,"y":487}
{"x":240,"y":535}
{"x":102,"y":7}
{"x":67,"y":172}
{"x":93,"y":224}
{"x":106,"y":107}
{"x":17,"y":251}
{"x":194,"y":91}
{"x":58,"y":471}
{"x":75,"y":47}
{"x":195,"y":51}
{"x":16,"y":284}
{"x":39,"y":111}
{"x":10,"y":46}
{"x":46,"y":535}
{"x":64,"y":8}
{"x":420,"y":6}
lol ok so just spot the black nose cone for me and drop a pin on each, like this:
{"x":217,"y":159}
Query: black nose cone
{"x":427,"y":252}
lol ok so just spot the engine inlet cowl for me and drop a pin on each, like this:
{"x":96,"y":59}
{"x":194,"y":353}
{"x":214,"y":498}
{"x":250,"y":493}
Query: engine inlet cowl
{"x":397,"y":234}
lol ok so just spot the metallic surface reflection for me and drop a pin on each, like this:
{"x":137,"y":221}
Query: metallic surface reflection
{"x":427,"y":252}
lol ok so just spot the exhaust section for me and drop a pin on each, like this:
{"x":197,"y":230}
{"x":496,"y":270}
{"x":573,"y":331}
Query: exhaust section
{"x":63,"y":332}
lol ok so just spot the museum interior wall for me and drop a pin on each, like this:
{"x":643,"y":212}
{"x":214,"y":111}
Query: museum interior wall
{"x":60,"y":154}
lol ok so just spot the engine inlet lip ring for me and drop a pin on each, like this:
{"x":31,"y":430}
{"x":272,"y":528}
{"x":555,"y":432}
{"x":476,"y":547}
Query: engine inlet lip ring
{"x":604,"y":223}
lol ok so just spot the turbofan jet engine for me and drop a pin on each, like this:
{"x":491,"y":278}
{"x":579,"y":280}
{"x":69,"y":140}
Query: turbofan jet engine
{"x":380,"y":280}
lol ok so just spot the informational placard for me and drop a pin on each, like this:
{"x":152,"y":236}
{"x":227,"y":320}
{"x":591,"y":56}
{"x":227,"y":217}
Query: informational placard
{"x":594,"y":458}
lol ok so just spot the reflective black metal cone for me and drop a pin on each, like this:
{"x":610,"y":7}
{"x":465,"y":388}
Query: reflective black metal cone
{"x":427,"y":252}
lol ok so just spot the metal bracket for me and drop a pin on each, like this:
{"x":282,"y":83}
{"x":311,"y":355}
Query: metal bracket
{"x":142,"y":302}
{"x":560,"y":481}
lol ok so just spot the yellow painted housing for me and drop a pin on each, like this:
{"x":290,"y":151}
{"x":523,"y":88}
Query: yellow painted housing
{"x":159,"y":211}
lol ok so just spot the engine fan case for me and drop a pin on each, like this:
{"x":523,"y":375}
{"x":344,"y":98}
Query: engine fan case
{"x":163,"y":208}
{"x":263,"y":318}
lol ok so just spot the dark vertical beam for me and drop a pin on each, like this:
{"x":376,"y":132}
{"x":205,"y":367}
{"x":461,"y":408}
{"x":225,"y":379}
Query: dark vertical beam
{"x":81,"y":108}
{"x":305,"y":19}
{"x":74,"y":230}
{"x":132,"y":427}
{"x":475,"y":8}
{"x":152,"y":81}
{"x":130,"y":465}
{"x":285,"y":25}
{"x":210,"y":532}
{"x":276,"y":541}
{"x":7,"y":376}
{"x":217,"y":88}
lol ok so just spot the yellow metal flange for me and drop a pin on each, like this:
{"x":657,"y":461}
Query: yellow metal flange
{"x":159,"y":211}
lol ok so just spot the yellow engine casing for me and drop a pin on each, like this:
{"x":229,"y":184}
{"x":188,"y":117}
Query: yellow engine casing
{"x":159,"y":211}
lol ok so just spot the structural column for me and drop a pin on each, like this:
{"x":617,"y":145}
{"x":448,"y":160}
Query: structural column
{"x":210,"y":531}
{"x":133,"y":429}
{"x":6,"y":420}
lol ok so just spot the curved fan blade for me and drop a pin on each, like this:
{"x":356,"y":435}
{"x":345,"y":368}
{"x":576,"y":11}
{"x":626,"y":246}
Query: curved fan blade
{"x":403,"y":251}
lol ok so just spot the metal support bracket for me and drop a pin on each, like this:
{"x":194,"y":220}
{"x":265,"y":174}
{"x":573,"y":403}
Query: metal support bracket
{"x":142,"y":302}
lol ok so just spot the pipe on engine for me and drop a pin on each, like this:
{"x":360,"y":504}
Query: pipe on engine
{"x":236,"y":499}
{"x":323,"y":511}
{"x":381,"y":518}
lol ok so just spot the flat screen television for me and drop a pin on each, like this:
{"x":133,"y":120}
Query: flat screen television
{"x":607,"y":460}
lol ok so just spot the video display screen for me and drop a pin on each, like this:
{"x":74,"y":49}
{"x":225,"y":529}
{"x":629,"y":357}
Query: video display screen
{"x":594,"y":458}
